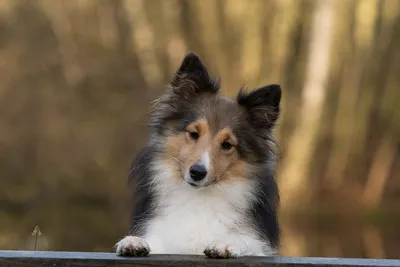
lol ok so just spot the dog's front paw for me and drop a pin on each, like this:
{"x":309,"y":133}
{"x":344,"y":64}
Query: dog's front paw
{"x":221,"y":251}
{"x":132,"y":246}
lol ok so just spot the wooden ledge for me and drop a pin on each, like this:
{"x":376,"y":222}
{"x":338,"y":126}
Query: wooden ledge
{"x":11,"y":258}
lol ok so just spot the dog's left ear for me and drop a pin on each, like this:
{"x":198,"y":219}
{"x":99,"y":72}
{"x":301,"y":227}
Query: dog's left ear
{"x":192,"y":77}
{"x":263,"y":104}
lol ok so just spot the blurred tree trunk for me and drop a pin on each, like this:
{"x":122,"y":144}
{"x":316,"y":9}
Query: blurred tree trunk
{"x":156,"y":16}
{"x":379,"y":173}
{"x":386,"y":149}
{"x":345,"y":114}
{"x":373,"y":243}
{"x":68,"y":48}
{"x":144,"y":42}
{"x":295,"y":182}
{"x":291,"y":68}
{"x":190,"y":26}
{"x":229,"y":45}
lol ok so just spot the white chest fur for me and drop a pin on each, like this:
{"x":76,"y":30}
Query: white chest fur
{"x":188,"y":220}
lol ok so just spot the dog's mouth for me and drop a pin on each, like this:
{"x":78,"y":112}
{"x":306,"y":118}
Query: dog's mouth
{"x":198,"y":185}
{"x":206,"y":182}
{"x":193,"y":184}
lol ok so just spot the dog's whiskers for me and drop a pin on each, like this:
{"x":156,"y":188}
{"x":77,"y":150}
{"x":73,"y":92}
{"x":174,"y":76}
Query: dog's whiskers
{"x":174,"y":158}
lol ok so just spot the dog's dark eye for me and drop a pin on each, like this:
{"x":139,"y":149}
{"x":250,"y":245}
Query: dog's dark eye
{"x":226,"y":145}
{"x":194,"y":135}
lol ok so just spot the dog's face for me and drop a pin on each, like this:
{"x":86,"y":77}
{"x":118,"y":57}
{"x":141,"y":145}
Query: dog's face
{"x":209,"y":139}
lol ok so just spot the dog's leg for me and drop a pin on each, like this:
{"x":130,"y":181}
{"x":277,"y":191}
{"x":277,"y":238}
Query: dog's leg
{"x":234,"y":248}
{"x":132,"y":246}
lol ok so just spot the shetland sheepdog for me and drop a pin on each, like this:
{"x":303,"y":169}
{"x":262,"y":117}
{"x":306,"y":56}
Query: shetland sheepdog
{"x":205,"y":180}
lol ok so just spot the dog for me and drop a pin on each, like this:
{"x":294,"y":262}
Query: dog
{"x":205,"y":180}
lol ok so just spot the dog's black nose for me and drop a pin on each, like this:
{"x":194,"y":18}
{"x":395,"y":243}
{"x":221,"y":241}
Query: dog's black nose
{"x":197,"y":172}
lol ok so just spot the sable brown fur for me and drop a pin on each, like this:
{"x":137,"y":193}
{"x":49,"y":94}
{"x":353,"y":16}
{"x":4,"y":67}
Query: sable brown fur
{"x":193,"y":103}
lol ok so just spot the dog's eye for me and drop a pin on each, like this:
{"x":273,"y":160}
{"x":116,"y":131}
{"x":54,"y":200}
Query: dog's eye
{"x":226,"y":145}
{"x":194,"y":135}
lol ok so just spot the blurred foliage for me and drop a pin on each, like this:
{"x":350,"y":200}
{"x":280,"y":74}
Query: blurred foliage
{"x":77,"y":78}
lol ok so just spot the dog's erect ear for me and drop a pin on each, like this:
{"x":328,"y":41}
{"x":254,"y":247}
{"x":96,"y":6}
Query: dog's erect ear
{"x":262,"y":104}
{"x":192,"y":77}
{"x":191,"y":64}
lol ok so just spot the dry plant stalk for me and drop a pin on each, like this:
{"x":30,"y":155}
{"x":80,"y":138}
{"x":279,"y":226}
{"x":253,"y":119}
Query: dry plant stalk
{"x":36,"y":233}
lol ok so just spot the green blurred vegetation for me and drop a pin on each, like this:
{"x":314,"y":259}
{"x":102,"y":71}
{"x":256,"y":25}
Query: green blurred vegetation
{"x":77,"y":77}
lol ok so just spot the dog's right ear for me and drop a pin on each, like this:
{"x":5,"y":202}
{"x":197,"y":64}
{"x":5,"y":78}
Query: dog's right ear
{"x":192,"y":77}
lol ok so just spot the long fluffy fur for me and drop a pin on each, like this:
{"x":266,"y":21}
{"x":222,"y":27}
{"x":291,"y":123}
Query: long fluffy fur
{"x":230,"y":218}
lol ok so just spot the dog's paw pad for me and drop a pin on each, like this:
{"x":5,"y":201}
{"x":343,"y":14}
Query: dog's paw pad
{"x":220,"y":252}
{"x":132,"y":246}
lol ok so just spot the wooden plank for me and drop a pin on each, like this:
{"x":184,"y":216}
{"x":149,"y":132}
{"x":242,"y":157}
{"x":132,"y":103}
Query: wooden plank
{"x":75,"y":259}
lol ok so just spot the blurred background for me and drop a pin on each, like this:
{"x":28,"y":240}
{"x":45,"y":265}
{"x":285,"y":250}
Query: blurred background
{"x":77,"y":78}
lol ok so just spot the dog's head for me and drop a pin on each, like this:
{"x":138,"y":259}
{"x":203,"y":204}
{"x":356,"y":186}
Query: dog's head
{"x":206,"y":138}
